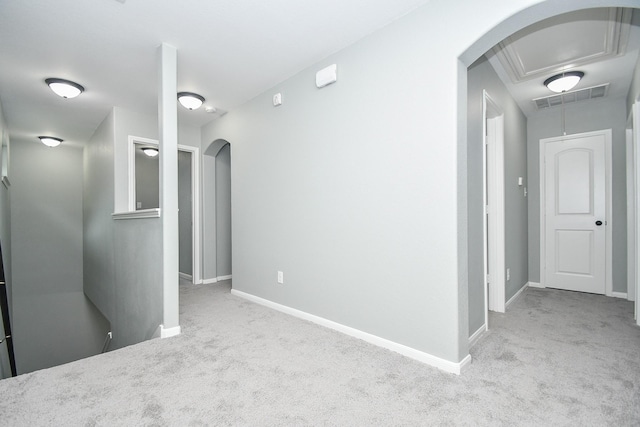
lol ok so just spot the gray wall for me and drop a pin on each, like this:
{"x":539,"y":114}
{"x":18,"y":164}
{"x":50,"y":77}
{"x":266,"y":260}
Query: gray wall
{"x":351,"y":191}
{"x":223,"y":212}
{"x":53,"y":321}
{"x":581,"y":117}
{"x":185,"y":213}
{"x":121,"y":272}
{"x":481,"y":76}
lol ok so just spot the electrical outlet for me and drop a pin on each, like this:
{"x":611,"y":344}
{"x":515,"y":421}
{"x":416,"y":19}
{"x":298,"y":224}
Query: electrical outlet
{"x":280,"y":277}
{"x":508,"y":274}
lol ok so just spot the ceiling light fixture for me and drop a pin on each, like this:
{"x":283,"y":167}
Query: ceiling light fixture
{"x":50,"y":141}
{"x":190,"y":100}
{"x":563,"y":82}
{"x":64,"y":88}
{"x":150,"y":151}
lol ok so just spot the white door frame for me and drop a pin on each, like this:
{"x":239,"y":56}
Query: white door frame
{"x":493,"y":183}
{"x":636,"y":164}
{"x":631,"y":218}
{"x":195,"y":195}
{"x":608,"y":203}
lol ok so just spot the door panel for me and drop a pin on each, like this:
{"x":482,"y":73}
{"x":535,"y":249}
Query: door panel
{"x":575,"y":200}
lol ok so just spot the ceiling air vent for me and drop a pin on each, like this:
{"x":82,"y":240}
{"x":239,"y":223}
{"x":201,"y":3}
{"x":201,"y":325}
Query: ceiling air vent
{"x":572,"y":97}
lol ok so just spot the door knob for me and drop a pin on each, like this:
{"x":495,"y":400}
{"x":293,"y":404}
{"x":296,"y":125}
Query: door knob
{"x":598,"y":223}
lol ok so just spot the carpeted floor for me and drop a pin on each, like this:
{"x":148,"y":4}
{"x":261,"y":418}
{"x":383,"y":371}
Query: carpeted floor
{"x":555,"y":358}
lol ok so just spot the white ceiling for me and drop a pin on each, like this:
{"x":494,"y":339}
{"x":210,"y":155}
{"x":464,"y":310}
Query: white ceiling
{"x":603,"y":43}
{"x":229,"y":51}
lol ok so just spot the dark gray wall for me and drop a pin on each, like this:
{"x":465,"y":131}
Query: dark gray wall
{"x":185,"y":213}
{"x":138,"y":294}
{"x":223,"y":212}
{"x":481,"y":76}
{"x":53,"y":321}
{"x":582,"y":117}
{"x":99,"y":264}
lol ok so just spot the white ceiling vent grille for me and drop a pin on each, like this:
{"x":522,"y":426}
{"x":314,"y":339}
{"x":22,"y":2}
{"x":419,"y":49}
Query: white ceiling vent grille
{"x":594,"y":92}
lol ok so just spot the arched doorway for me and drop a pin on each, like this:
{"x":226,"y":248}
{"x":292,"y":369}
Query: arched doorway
{"x":216,"y":222}
{"x":508,"y":26}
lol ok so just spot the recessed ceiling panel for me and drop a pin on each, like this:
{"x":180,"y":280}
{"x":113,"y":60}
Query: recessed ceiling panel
{"x":565,"y":41}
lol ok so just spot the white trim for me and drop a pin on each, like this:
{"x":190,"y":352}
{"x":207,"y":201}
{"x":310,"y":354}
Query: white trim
{"x":608,"y":202}
{"x":216,"y":279}
{"x":494,"y":236}
{"x":631,"y":219}
{"x":535,"y":285}
{"x":195,"y":209}
{"x":636,"y":165}
{"x":131,"y":166}
{"x":195,"y":194}
{"x":169,"y":332}
{"x":429,"y":359}
{"x":6,"y":182}
{"x":473,"y":339}
{"x":185,"y":276}
{"x":516,"y":295}
{"x":615,"y":294}
{"x":143,"y":213}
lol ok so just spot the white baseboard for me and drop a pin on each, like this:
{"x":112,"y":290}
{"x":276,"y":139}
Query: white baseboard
{"x":516,"y":295}
{"x":476,"y":335}
{"x":429,"y":359}
{"x":185,"y":276}
{"x":619,"y":295}
{"x":535,"y":285}
{"x":216,"y":279}
{"x":169,"y":332}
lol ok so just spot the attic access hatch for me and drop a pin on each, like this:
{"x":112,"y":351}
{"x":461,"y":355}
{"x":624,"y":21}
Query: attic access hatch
{"x":594,"y":92}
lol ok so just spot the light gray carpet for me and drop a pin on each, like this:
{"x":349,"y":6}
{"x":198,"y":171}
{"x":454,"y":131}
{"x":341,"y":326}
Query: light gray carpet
{"x":555,"y":358}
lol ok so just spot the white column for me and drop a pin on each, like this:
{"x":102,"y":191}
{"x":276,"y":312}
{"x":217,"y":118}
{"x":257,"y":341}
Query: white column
{"x":168,"y":131}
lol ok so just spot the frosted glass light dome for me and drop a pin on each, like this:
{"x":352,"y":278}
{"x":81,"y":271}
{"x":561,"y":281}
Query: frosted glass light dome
{"x":563,"y":82}
{"x":190,"y":101}
{"x":50,"y":141}
{"x":64,"y":88}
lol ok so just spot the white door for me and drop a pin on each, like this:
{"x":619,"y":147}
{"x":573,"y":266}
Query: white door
{"x":575,"y":211}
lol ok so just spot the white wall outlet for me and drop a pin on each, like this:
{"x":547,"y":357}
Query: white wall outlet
{"x":519,"y":180}
{"x":280,"y":277}
{"x":508,"y":274}
{"x":277,"y":99}
{"x":138,"y":205}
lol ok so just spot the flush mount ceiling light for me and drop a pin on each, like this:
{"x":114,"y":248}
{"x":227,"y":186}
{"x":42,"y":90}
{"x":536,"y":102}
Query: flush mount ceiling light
{"x":190,"y":101}
{"x":64,"y":88}
{"x":563,"y":82}
{"x":150,"y":151}
{"x":50,"y":141}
